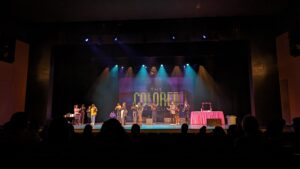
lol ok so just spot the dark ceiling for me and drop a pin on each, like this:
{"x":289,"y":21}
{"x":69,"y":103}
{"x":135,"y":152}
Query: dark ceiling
{"x":104,"y":10}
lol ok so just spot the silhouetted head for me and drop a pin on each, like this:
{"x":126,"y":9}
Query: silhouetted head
{"x":18,"y":121}
{"x":135,"y":129}
{"x":59,"y":130}
{"x":202,"y":131}
{"x":88,"y":128}
{"x":218,"y":132}
{"x":232,"y":131}
{"x":250,"y":125}
{"x":184,"y":128}
{"x":296,"y":125}
{"x":112,"y":129}
{"x":275,"y":128}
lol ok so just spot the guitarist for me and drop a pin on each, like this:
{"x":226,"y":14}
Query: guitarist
{"x":153,"y":107}
{"x":173,"y":109}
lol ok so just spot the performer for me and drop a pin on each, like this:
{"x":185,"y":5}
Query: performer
{"x":153,"y":107}
{"x":134,"y":107}
{"x":140,"y":109}
{"x":82,"y":112}
{"x":186,"y":111}
{"x":124,"y":112}
{"x":77,"y":115}
{"x":173,"y":110}
{"x":93,"y":110}
{"x":118,"y":110}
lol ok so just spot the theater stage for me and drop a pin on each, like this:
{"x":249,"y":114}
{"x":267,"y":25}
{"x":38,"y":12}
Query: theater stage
{"x":153,"y":128}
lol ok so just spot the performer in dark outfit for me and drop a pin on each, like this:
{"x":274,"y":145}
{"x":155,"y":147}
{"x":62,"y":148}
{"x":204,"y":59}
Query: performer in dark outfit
{"x":154,"y":112}
{"x":82,"y":112}
{"x":134,"y":112}
{"x":186,"y":111}
{"x":118,"y":110}
{"x":140,"y":109}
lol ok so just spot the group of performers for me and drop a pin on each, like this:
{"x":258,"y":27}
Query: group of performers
{"x":174,"y":110}
{"x":80,"y":113}
{"x":137,"y":109}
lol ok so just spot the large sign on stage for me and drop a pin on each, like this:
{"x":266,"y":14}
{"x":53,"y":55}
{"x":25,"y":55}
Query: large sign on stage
{"x":155,"y":90}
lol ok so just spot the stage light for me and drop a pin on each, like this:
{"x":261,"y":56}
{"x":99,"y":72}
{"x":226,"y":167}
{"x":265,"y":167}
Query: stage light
{"x":161,"y":65}
{"x":116,"y":65}
{"x":173,"y":37}
{"x":116,"y":39}
{"x":86,"y":39}
{"x":143,"y":65}
{"x":187,"y":64}
{"x":122,"y":67}
{"x":204,"y":36}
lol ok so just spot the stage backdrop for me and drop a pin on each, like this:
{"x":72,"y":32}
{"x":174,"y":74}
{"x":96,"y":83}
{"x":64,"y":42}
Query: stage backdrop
{"x":82,"y":74}
{"x":160,"y":91}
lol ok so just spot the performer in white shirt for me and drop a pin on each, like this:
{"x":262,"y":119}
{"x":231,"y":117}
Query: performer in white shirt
{"x":140,"y":109}
{"x":123,"y":113}
{"x":77,"y":115}
{"x":173,"y":110}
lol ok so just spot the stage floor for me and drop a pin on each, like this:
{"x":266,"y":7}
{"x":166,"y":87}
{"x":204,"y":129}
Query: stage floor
{"x":154,"y":128}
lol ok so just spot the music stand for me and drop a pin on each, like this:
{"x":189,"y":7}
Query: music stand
{"x":206,"y":106}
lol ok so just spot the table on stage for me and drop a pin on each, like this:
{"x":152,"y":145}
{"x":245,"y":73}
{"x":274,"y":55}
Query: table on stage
{"x":200,"y":117}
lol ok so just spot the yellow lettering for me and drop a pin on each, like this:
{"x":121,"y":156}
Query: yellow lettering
{"x":136,"y":94}
{"x":155,"y":98}
{"x":143,"y":97}
{"x":163,"y":99}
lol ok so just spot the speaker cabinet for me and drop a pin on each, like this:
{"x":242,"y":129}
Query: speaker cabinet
{"x":214,"y":122}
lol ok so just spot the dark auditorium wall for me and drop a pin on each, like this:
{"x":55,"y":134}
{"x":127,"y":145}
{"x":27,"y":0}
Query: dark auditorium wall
{"x":289,"y":68}
{"x":39,"y":81}
{"x":13,"y":81}
{"x":265,"y":81}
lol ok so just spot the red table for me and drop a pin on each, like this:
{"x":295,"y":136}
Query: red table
{"x":200,"y":117}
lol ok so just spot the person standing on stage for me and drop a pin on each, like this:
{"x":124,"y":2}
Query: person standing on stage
{"x":140,"y":109}
{"x":77,"y":116}
{"x":93,"y":111}
{"x":82,"y":112}
{"x":124,"y":112}
{"x":172,"y":108}
{"x":186,"y":111}
{"x":154,"y":111}
{"x":118,"y":110}
{"x":134,"y":112}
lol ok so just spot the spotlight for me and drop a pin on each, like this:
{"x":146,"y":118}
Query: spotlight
{"x":86,"y":39}
{"x":173,"y":37}
{"x":187,"y":64}
{"x":161,"y":65}
{"x":116,"y":39}
{"x":116,"y":66}
{"x":204,"y":36}
{"x":143,"y":65}
{"x":122,"y":67}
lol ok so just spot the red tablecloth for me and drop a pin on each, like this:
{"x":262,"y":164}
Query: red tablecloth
{"x":200,"y":117}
